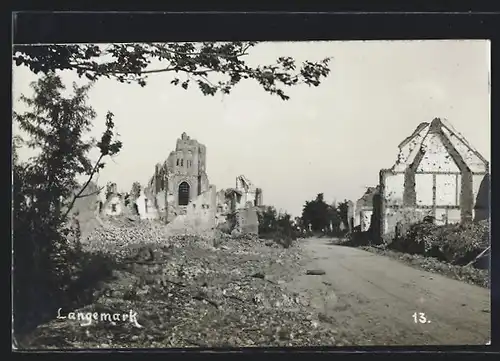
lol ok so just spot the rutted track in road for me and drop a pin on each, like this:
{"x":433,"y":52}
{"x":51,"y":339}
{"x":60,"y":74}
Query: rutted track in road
{"x":373,"y":298}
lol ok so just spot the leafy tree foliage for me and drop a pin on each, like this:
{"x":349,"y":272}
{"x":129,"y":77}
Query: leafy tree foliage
{"x":277,"y":226}
{"x":194,"y":63}
{"x":268,"y":220}
{"x":343,"y":209}
{"x":320,"y":215}
{"x":44,"y":188}
{"x":298,"y":223}
{"x":316,"y":213}
{"x":110,"y":189}
{"x":135,"y":192}
{"x":334,"y":218}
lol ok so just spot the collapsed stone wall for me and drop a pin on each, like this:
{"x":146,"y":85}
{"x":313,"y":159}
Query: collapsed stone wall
{"x":86,"y":208}
{"x":247,"y":221}
{"x":250,"y":195}
{"x":114,"y":206}
{"x":146,"y":206}
{"x":198,"y":216}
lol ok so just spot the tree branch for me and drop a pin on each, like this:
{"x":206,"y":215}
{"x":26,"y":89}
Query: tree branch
{"x":477,"y":257}
{"x":70,"y":207}
{"x":90,"y":194}
{"x":215,"y":53}
{"x":151,"y":71}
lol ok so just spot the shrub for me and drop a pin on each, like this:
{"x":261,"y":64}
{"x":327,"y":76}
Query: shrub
{"x":455,"y":243}
{"x":357,"y":239}
{"x":61,"y":274}
{"x":277,"y":226}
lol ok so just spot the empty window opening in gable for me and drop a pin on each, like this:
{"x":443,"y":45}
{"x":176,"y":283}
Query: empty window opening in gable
{"x":113,"y":208}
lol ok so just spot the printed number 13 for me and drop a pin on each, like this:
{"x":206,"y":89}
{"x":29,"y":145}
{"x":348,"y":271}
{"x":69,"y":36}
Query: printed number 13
{"x":419,"y":317}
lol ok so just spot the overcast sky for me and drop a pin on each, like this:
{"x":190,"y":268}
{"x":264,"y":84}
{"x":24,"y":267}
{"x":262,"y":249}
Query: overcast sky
{"x":332,"y":139}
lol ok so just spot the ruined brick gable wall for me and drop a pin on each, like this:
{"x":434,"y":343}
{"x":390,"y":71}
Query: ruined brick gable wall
{"x":392,"y":208}
{"x":434,"y":175}
{"x":479,"y":172}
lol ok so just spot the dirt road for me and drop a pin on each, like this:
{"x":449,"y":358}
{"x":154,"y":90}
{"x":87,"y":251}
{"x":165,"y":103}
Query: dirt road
{"x":371,"y":299}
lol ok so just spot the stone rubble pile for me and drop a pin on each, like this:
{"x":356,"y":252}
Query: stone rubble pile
{"x":189,"y":293}
{"x":121,"y":236}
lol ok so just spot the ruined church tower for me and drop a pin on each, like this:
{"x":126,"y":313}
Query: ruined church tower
{"x":187,"y":169}
{"x":181,"y":178}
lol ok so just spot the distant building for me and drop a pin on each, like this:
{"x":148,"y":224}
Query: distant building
{"x":114,"y":204}
{"x":364,"y":209}
{"x":180,"y":194}
{"x":145,"y":204}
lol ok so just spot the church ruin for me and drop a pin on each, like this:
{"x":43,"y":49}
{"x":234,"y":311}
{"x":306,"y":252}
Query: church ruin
{"x":179,"y":193}
{"x":178,"y":180}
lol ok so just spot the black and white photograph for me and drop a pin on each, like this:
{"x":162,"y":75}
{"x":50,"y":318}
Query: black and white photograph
{"x":251,"y":194}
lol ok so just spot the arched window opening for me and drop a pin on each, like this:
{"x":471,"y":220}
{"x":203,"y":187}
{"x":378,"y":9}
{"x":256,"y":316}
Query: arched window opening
{"x":182,"y":162}
{"x":177,"y":161}
{"x":183,"y":194}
